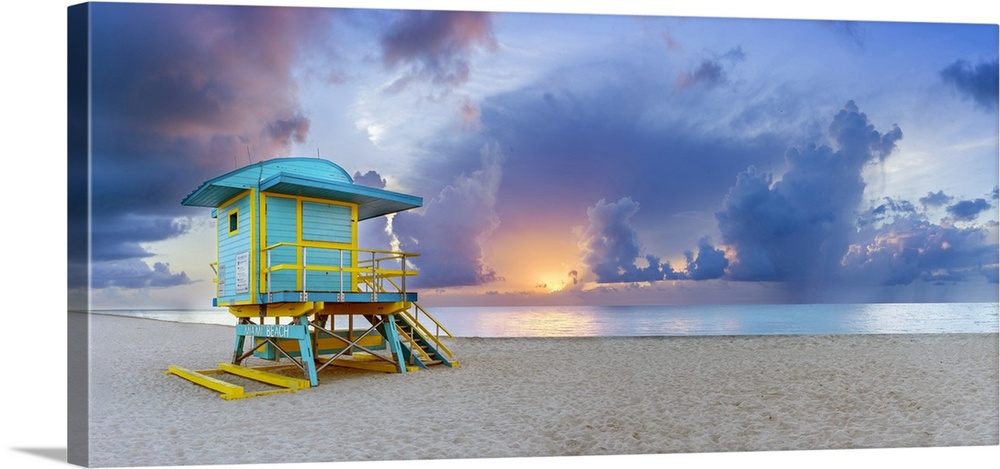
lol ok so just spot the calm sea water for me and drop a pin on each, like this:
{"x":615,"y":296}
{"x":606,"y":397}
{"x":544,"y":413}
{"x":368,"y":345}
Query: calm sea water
{"x":605,"y":321}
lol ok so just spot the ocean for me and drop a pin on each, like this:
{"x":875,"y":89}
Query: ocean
{"x":701,"y":320}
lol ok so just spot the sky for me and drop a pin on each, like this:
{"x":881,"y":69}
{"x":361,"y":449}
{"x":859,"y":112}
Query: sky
{"x":563,"y":158}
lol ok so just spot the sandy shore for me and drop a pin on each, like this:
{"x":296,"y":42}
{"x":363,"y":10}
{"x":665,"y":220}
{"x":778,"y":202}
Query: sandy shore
{"x":547,"y":397}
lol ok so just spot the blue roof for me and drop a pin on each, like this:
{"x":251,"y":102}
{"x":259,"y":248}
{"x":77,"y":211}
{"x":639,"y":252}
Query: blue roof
{"x":312,"y":177}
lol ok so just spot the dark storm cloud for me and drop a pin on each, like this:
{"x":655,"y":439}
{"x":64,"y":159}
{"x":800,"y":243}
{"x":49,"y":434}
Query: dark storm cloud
{"x":181,"y":94}
{"x":449,"y":231}
{"x":978,"y":82}
{"x":798,"y":228}
{"x":435,"y":43}
{"x":967,"y":210}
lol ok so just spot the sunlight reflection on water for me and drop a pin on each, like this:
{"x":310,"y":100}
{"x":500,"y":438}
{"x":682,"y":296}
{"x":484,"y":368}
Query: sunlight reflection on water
{"x":590,"y":321}
{"x":602,"y":321}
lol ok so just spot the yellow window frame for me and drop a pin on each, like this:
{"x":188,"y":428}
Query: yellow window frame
{"x":232,"y":215}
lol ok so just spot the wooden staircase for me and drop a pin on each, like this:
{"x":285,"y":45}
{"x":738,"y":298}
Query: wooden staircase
{"x":420,"y":347}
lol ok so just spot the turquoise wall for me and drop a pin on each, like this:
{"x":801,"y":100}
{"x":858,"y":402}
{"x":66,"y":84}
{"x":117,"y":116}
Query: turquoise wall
{"x":234,"y":246}
{"x":281,"y":227}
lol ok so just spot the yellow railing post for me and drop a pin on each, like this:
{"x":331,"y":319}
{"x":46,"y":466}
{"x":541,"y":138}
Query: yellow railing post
{"x":304,"y":264}
{"x":375,"y":285}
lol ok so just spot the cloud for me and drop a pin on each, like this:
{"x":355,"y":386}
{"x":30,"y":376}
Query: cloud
{"x":911,"y":248}
{"x":935,"y":199}
{"x":710,"y":262}
{"x":435,"y":45}
{"x":371,"y":179}
{"x":121,"y":236}
{"x":134,"y":273}
{"x":450,"y":230}
{"x":806,"y":229}
{"x":117,"y":248}
{"x":798,"y":228}
{"x":375,"y":233}
{"x":574,"y":276}
{"x":888,"y":210}
{"x":610,"y":247}
{"x":610,"y":244}
{"x":710,"y":72}
{"x":469,"y":112}
{"x":978,"y":82}
{"x":967,"y":210}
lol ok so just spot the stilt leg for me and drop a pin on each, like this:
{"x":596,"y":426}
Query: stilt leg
{"x":238,"y":348}
{"x":388,"y":330}
{"x":306,"y":350}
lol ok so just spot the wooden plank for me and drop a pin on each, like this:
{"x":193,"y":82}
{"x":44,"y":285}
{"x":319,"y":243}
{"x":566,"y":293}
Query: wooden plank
{"x":364,"y":356}
{"x":382,"y":366}
{"x":229,"y":390}
{"x":256,"y":394}
{"x":265,"y":377}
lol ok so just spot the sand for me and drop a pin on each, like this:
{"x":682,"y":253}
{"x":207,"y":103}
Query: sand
{"x":547,"y":397}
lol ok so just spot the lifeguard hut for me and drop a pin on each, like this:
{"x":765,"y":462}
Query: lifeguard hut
{"x":290,"y":271}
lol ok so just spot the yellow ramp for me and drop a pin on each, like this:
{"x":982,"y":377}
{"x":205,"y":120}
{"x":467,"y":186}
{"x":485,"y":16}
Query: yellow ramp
{"x":270,"y":378}
{"x":231,"y":391}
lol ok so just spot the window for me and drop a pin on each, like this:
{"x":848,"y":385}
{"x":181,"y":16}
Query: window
{"x":234,"y":222}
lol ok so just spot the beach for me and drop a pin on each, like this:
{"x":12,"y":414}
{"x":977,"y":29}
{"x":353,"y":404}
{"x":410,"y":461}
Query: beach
{"x":547,"y":397}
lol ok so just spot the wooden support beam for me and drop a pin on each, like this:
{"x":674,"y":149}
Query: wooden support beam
{"x":200,"y":378}
{"x":265,"y":377}
{"x":370,"y":365}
